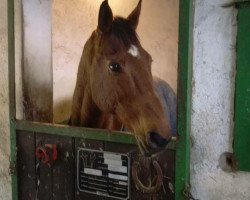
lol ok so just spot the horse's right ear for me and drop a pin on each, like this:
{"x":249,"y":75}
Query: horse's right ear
{"x":133,"y":18}
{"x":105,"y":18}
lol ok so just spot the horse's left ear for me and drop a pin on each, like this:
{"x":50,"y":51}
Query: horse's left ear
{"x":133,"y":18}
{"x":105,"y":17}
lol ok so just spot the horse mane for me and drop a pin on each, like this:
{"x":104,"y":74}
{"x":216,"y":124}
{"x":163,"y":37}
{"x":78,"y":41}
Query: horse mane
{"x":122,"y":30}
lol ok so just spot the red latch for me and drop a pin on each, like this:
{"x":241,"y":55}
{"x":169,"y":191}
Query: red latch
{"x":47,"y":154}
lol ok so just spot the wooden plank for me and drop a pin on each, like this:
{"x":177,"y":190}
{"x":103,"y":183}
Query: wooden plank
{"x":26,"y":166}
{"x":64,"y":169}
{"x":78,"y":132}
{"x":120,"y":148}
{"x":57,"y":182}
{"x":45,"y":173}
{"x":143,"y":174}
{"x":167,"y":162}
{"x":242,"y":96}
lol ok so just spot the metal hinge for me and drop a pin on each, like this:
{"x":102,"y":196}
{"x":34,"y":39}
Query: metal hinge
{"x":12,"y":166}
{"x":234,"y":3}
{"x":188,"y":194}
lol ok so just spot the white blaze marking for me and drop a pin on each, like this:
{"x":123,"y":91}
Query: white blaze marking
{"x":133,"y":50}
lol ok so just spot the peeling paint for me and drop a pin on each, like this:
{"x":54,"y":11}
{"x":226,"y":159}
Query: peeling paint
{"x":67,"y":154}
{"x":5,"y":182}
{"x":171,"y":187}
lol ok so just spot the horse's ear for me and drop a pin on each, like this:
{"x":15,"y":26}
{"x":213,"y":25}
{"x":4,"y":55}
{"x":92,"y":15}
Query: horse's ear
{"x":133,"y":18}
{"x":105,"y":18}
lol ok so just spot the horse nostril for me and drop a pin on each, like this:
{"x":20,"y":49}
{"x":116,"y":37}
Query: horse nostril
{"x":155,"y":140}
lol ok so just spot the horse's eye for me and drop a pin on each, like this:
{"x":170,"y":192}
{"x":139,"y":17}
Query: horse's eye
{"x":115,"y":67}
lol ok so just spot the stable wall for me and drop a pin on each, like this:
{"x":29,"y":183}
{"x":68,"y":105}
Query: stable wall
{"x":5,"y":184}
{"x":213,"y":103}
{"x":36,"y":67}
{"x":73,"y":23}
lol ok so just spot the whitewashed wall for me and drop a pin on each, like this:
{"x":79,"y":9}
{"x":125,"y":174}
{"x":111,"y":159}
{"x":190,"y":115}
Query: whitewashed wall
{"x":74,"y":21}
{"x":5,"y":184}
{"x":37,"y":60}
{"x":212,"y":103}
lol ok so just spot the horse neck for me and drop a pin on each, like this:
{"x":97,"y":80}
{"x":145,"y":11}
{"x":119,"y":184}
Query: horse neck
{"x":84,"y":110}
{"x":93,"y":117}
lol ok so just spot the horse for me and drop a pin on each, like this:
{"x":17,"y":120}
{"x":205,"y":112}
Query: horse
{"x":115,"y":87}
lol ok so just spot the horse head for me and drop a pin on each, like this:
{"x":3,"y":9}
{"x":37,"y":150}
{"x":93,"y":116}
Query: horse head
{"x":114,"y":79}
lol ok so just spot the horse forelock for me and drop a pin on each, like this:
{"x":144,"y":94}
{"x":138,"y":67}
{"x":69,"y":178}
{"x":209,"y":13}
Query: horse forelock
{"x":122,"y":31}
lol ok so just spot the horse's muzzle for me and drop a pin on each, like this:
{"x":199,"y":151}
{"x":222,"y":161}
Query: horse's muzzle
{"x":155,"y":140}
{"x":156,"y":143}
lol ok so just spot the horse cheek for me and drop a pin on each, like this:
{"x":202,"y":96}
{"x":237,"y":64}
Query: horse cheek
{"x":102,"y":94}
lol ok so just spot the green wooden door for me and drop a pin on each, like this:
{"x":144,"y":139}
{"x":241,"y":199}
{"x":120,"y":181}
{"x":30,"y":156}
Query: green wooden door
{"x":242,"y":94}
{"x":184,"y":102}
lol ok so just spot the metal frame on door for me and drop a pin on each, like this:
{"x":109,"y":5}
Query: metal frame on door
{"x":184,"y":102}
{"x":242,"y":95}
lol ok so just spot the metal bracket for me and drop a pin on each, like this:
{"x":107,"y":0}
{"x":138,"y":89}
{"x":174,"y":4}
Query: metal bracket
{"x":188,"y":194}
{"x":234,"y":3}
{"x":12,"y":167}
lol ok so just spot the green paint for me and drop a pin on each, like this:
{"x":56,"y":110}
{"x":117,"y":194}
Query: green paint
{"x":234,"y":3}
{"x":242,"y":94}
{"x":12,"y":106}
{"x":79,"y":132}
{"x":184,"y":97}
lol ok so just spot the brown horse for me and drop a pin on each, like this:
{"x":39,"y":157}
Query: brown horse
{"x":114,"y":85}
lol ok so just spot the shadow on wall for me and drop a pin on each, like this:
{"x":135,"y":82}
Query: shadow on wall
{"x":63,"y":108}
{"x":40,"y":107}
{"x":37,"y":103}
